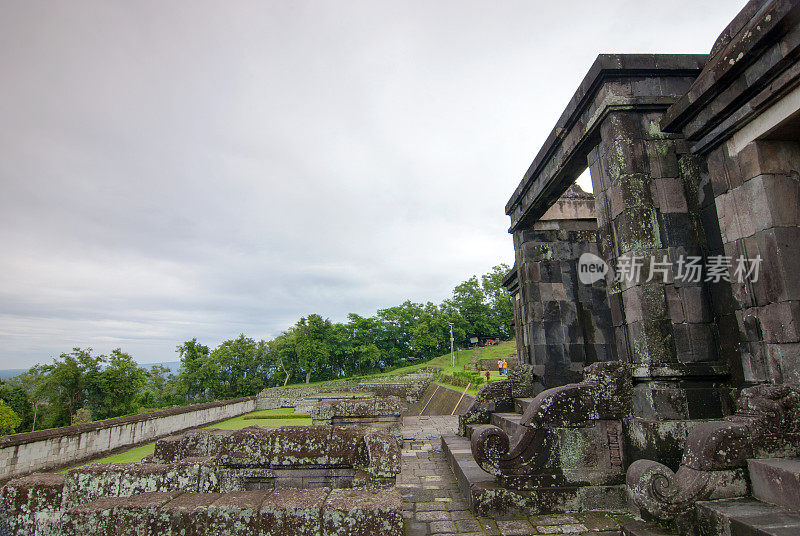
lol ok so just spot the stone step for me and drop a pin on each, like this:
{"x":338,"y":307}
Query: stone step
{"x":521,"y":404}
{"x":746,"y":517}
{"x":777,"y":481}
{"x":469,"y":428}
{"x":458,"y":452}
{"x":642,"y":528}
{"x":509,"y":422}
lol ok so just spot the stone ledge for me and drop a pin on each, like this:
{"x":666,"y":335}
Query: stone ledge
{"x":66,"y":431}
{"x":248,"y":513}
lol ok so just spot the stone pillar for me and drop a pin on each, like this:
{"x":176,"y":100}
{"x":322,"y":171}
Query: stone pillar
{"x":565,"y":325}
{"x":663,"y":326}
{"x":757,"y":197}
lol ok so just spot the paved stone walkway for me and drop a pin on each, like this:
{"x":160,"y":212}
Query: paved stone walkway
{"x":433,"y":504}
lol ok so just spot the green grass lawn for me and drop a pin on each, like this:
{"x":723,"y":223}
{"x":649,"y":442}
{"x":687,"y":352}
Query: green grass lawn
{"x":238,"y":423}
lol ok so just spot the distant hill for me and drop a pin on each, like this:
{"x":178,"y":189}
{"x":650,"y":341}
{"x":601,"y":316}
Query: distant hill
{"x":10,"y":373}
{"x":173,"y":367}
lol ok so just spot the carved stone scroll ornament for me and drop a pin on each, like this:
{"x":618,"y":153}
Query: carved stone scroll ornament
{"x":602,"y":395}
{"x":498,"y":396}
{"x":494,"y":396}
{"x":766,"y":424}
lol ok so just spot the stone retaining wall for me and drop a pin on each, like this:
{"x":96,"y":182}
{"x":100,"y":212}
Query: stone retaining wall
{"x":22,"y":454}
{"x":408,"y":388}
{"x":439,"y":400}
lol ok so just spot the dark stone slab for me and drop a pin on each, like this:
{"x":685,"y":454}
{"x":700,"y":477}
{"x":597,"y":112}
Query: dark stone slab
{"x":776,"y":481}
{"x":746,"y":517}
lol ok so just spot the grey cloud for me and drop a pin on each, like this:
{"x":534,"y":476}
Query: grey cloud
{"x":200,"y":168}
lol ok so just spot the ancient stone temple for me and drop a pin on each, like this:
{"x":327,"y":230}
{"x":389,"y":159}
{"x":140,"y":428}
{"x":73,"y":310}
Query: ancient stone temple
{"x":688,"y":410}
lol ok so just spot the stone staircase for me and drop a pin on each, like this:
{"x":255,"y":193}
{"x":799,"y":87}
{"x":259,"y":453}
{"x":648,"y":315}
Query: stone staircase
{"x":773,"y":509}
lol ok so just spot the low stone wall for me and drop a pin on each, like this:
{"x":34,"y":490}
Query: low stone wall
{"x":291,"y":397}
{"x":440,"y":400}
{"x":409,"y":388}
{"x":385,"y":413}
{"x":22,"y":454}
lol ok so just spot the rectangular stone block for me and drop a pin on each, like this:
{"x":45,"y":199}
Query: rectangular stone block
{"x":31,"y":504}
{"x":236,"y":513}
{"x":784,"y":362}
{"x":776,"y":481}
{"x":779,"y":248}
{"x":669,"y":195}
{"x":185,"y":515}
{"x":349,"y":512}
{"x":780,"y":322}
{"x":292,"y":512}
{"x":764,"y":157}
{"x":754,"y":362}
{"x":774,"y":201}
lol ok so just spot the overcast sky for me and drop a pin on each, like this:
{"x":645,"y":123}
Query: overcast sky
{"x":178,"y":169}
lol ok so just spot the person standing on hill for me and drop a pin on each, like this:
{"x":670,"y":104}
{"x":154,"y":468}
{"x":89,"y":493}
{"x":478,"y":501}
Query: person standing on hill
{"x":500,"y":367}
{"x":505,"y":368}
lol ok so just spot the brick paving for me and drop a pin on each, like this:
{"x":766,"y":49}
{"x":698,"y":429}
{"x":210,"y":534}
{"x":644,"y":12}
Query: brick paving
{"x":433,"y":504}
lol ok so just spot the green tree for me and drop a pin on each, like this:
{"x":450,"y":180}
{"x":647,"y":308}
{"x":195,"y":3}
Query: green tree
{"x":17,"y":398}
{"x":242,"y":367}
{"x":283,"y":352}
{"x":116,"y":389}
{"x":198,"y":372}
{"x":499,"y":300}
{"x":33,"y":382}
{"x":67,"y":383}
{"x":160,"y":388}
{"x":313,"y":338}
{"x":9,"y":420}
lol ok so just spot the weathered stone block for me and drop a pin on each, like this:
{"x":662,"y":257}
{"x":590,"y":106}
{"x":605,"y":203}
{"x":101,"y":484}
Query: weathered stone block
{"x":198,"y":443}
{"x":235,"y":513}
{"x":776,"y":481}
{"x":774,"y":201}
{"x":764,"y":157}
{"x":125,"y":516}
{"x":32,"y":504}
{"x":292,"y":512}
{"x":784,"y":362}
{"x":780,"y":322}
{"x":184,"y":515}
{"x":355,"y":512}
{"x":780,"y":250}
{"x":383,"y":454}
{"x":248,"y":447}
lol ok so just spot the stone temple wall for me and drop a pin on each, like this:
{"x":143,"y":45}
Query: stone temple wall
{"x":564,"y":325}
{"x":21,"y":454}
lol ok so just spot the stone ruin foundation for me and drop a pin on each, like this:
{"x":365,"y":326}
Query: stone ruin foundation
{"x":291,"y":480}
{"x":383,"y":413}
